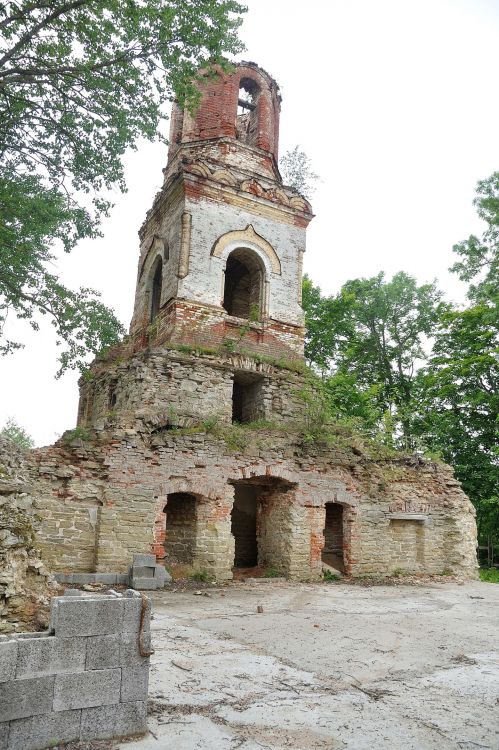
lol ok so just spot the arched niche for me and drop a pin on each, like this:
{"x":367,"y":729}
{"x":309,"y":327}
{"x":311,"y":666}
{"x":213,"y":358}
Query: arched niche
{"x":252,"y":240}
{"x":244,"y":284}
{"x":155,"y":288}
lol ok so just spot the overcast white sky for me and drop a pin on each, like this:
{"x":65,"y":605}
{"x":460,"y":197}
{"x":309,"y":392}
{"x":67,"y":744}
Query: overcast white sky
{"x":396,"y":103}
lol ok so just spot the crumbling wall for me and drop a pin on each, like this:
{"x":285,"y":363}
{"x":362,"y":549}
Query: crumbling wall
{"x":102,"y":496}
{"x":165,"y":388}
{"x":25,"y":582}
{"x":84,"y":679}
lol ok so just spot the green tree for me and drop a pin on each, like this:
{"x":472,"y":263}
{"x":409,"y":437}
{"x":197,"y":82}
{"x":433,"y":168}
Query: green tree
{"x":296,"y":171}
{"x":13,"y":431}
{"x":460,"y":386}
{"x":374,"y":332}
{"x":80,"y":81}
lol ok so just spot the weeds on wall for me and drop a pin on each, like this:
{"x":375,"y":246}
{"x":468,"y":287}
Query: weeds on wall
{"x":78,"y":433}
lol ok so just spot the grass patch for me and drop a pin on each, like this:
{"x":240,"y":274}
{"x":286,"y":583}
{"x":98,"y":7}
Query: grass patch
{"x":201,"y":575}
{"x":327,"y":575}
{"x":490,"y":575}
{"x":272,"y":573}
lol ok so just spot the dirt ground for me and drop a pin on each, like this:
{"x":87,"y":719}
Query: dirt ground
{"x":325,"y":666}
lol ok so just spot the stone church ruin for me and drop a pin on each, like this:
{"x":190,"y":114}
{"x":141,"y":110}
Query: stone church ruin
{"x":189,"y":442}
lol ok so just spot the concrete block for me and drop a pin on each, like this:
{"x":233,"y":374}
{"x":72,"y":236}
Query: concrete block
{"x":8,"y":660}
{"x":103,"y":651}
{"x":132,"y":607}
{"x":162,"y":575}
{"x":50,"y":655}
{"x":143,"y":571}
{"x":131,"y":718}
{"x":122,"y":578}
{"x":129,"y":649}
{"x":144,"y":584}
{"x":114,"y":721}
{"x":98,"y":687}
{"x":107,"y":578}
{"x":98,"y":722}
{"x":86,"y":616}
{"x":72,"y":592}
{"x":21,"y":698}
{"x":140,"y":559}
{"x":134,"y":683}
{"x":45,"y":730}
{"x":82,"y":578}
{"x":4,"y":734}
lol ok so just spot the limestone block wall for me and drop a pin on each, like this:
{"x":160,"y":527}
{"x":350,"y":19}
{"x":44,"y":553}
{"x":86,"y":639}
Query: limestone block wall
{"x":402,"y":513}
{"x":168,"y":388}
{"x":84,"y":679}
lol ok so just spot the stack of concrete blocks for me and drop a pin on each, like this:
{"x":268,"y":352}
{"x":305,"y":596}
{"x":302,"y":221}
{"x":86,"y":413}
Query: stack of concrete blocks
{"x":82,"y":680}
{"x":145,"y":575}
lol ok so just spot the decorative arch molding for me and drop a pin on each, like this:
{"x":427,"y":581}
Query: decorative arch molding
{"x":247,"y":238}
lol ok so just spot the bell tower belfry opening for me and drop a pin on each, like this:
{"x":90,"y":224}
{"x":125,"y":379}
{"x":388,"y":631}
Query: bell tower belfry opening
{"x":235,"y":234}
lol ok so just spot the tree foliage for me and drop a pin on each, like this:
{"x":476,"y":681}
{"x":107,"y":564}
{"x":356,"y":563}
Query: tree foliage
{"x":296,"y":171}
{"x":80,"y":81}
{"x":415,"y":371}
{"x":372,"y":335}
{"x":13,"y":431}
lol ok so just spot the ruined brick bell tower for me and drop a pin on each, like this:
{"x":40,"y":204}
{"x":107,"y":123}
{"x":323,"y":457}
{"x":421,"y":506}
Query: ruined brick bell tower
{"x":196,"y":443}
{"x":223,"y":243}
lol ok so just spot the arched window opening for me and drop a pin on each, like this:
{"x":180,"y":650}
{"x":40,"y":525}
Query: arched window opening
{"x":157,"y":282}
{"x":247,"y":112}
{"x":243,"y":284}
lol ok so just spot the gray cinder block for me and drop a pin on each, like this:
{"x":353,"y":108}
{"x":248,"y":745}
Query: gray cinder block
{"x":108,"y":578}
{"x":131,"y":718}
{"x":144,"y":584}
{"x":86,"y":616}
{"x":50,"y":655}
{"x":134,"y":683}
{"x":8,"y":660}
{"x":98,"y":687}
{"x":103,"y":651}
{"x":21,"y":698}
{"x":132,"y":607}
{"x":162,"y":575}
{"x":122,"y":578}
{"x":114,"y":721}
{"x":129,"y":649}
{"x":38,"y":732}
{"x":141,"y":559}
{"x":143,"y":571}
{"x":4,"y":734}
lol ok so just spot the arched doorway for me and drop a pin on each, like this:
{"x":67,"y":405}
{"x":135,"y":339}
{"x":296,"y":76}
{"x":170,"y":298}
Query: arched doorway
{"x":180,"y":528}
{"x":333,"y":550}
{"x":262,"y":523}
{"x":243,"y":288}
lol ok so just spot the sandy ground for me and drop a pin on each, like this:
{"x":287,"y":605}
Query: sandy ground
{"x":325,"y":666}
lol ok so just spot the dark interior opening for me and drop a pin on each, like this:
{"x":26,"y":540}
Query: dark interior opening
{"x":247,"y":112}
{"x":112,"y":394}
{"x":332,"y":553}
{"x":180,"y":535}
{"x":247,"y":398}
{"x":243,"y":282}
{"x":157,"y":282}
{"x":243,"y":526}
